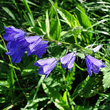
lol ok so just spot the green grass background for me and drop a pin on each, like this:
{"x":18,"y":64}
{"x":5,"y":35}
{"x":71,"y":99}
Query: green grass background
{"x":69,"y":25}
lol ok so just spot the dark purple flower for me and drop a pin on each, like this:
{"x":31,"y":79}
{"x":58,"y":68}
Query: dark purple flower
{"x":97,"y":48}
{"x":12,"y":33}
{"x":46,"y":66}
{"x":36,"y":46}
{"x":16,"y":49}
{"x":93,"y":65}
{"x":67,"y":61}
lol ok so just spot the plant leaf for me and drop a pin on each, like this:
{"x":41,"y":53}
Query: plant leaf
{"x":106,"y":77}
{"x":84,"y":21}
{"x":51,"y":90}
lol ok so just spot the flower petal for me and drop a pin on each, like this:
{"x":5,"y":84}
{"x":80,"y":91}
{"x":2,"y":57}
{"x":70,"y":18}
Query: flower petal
{"x":95,"y":69}
{"x":38,"y":48}
{"x":64,"y":65}
{"x":89,"y":71}
{"x":66,"y":58}
{"x":32,"y":39}
{"x":48,"y":68}
{"x":96,"y":49}
{"x":71,"y":63}
{"x":40,"y":71}
{"x":16,"y":58}
{"x":89,"y":65}
{"x":96,"y":62}
{"x":44,"y":62}
{"x":93,"y":65}
{"x":13,"y":33}
{"x":45,"y":69}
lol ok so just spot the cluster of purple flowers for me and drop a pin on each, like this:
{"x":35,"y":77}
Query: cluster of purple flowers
{"x":18,"y":44}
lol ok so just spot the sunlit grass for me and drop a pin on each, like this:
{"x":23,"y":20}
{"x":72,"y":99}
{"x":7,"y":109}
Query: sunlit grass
{"x":68,"y":26}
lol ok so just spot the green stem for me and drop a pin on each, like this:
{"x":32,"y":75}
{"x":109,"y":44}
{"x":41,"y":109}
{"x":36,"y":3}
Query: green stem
{"x":38,"y":85}
{"x":10,"y":65}
{"x":11,"y":77}
{"x":80,"y":47}
{"x":80,"y":67}
{"x":12,"y":72}
{"x":69,"y":44}
{"x":70,"y":100}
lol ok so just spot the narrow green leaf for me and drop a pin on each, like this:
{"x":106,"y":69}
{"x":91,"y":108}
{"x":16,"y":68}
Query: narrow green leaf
{"x":9,"y":12}
{"x":2,"y":99}
{"x":55,"y":22}
{"x":10,"y":65}
{"x":97,"y":23}
{"x":29,"y":13}
{"x":82,"y":17}
{"x":78,"y":107}
{"x":47,"y":24}
{"x":68,"y":17}
{"x":55,"y":29}
{"x":4,"y":83}
{"x":84,"y":21}
{"x":42,"y":25}
{"x":65,"y":97}
{"x":53,"y":10}
{"x":37,"y":30}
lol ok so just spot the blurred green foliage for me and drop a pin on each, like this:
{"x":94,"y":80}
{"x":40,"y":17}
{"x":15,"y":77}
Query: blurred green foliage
{"x":69,"y":25}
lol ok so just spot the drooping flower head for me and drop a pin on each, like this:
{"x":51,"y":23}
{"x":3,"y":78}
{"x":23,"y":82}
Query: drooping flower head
{"x":67,"y":61}
{"x":46,"y":66}
{"x":17,"y":44}
{"x":93,"y":65}
{"x":97,"y":48}
{"x":16,"y":49}
{"x":36,"y":46}
{"x":12,"y":33}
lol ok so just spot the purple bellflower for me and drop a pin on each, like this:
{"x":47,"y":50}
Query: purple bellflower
{"x":46,"y":66}
{"x":93,"y":65}
{"x":36,"y":46}
{"x":97,"y":48}
{"x":67,"y":61}
{"x":17,"y":44}
{"x":13,"y":33}
{"x":16,"y":49}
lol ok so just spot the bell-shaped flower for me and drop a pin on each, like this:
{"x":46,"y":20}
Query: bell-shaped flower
{"x":16,"y":49}
{"x":46,"y":66}
{"x":67,"y":61}
{"x":36,"y":46}
{"x":17,"y":44}
{"x":97,"y":48}
{"x":12,"y":33}
{"x":93,"y":65}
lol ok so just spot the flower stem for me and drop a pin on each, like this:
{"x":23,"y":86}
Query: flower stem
{"x":79,"y":46}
